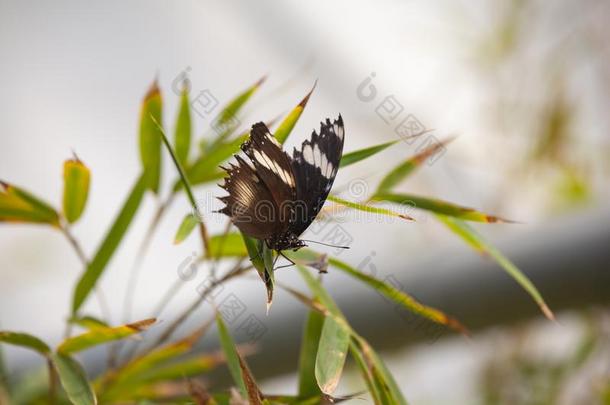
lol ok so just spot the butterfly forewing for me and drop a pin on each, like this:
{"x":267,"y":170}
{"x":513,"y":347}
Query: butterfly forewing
{"x":315,"y":167}
{"x":249,"y":203}
{"x":274,"y":168}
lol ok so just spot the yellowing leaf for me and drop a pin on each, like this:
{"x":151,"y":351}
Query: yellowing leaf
{"x":438,"y":206}
{"x":404,"y":169}
{"x":476,"y":241}
{"x":283,"y":131}
{"x":400,"y":297}
{"x":368,"y":208}
{"x":76,"y":189}
{"x":100,"y":335}
{"x":150,"y":138}
{"x":18,"y":205}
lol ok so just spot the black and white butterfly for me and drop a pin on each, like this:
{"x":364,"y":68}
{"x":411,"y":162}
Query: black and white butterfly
{"x":274,"y":197}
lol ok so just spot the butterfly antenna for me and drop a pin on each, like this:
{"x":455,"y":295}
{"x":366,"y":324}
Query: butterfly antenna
{"x":325,"y":244}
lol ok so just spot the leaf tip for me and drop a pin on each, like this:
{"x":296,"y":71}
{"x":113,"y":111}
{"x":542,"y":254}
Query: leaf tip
{"x":305,"y":99}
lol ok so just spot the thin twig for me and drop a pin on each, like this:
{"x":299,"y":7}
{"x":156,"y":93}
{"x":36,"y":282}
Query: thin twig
{"x":52,"y":382}
{"x":237,"y":270}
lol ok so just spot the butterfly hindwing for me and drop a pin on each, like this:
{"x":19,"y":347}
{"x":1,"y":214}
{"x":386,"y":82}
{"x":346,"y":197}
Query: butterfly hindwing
{"x":315,"y":167}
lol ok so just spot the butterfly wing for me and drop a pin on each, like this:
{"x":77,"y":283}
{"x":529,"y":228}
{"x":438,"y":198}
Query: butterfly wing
{"x":315,"y":167}
{"x":249,"y":204}
{"x":274,"y":168}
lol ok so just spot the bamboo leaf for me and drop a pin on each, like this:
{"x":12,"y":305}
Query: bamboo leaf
{"x":439,"y":207}
{"x":204,"y":167}
{"x":238,"y":368}
{"x":88,"y":322}
{"x":228,"y":245}
{"x":235,"y":105}
{"x":182,"y":134}
{"x":109,"y":244}
{"x":74,"y":380}
{"x":150,"y":141}
{"x":308,"y":386}
{"x":476,"y":241}
{"x":100,"y":335}
{"x":403,"y":170}
{"x":25,"y":340}
{"x":368,"y":208}
{"x":76,"y":189}
{"x":361,"y":154}
{"x":400,"y":297}
{"x":286,"y":126}
{"x":18,"y":205}
{"x":186,"y":228}
{"x":332,"y":352}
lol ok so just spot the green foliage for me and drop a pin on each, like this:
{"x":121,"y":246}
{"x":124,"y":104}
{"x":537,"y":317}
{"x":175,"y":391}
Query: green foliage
{"x":161,"y":371}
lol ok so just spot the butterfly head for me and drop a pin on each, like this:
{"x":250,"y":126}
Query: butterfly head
{"x":285,"y":241}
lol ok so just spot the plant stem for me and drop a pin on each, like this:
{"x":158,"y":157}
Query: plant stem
{"x":52,"y":382}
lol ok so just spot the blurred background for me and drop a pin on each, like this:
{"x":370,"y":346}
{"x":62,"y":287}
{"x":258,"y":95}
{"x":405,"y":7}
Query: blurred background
{"x":522,"y":85}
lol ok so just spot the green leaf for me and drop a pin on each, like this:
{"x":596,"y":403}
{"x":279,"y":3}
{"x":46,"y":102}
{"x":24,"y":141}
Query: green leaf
{"x":204,"y":167}
{"x":476,"y":241}
{"x":285,"y":128}
{"x":101,"y":334}
{"x":150,"y":141}
{"x":88,"y":322}
{"x":110,"y":243}
{"x":76,"y":189}
{"x":403,"y":170}
{"x":332,"y":352}
{"x":400,"y":297}
{"x":233,"y":107}
{"x":232,"y":357}
{"x":439,"y":207}
{"x":18,"y":205}
{"x":190,"y":367}
{"x":238,"y":368}
{"x":368,"y":208}
{"x":361,"y":154}
{"x":308,"y":386}
{"x":262,"y":260}
{"x":182,"y":135}
{"x":74,"y":380}
{"x":186,"y":227}
{"x":228,"y":245}
{"x":385,"y":389}
{"x":25,"y":340}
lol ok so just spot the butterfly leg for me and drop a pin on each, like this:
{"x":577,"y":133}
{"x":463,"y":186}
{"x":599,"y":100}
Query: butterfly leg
{"x":287,"y":258}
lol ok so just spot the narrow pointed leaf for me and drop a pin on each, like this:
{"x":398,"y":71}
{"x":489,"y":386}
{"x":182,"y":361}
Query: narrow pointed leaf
{"x":368,"y":208}
{"x":400,"y":297}
{"x":332,"y":352}
{"x":25,"y":340}
{"x":76,"y":189}
{"x":439,"y":207}
{"x":228,"y":347}
{"x":182,"y":135}
{"x":74,"y":380}
{"x":403,"y":170}
{"x":186,"y":228}
{"x":283,"y":131}
{"x":229,"y":245}
{"x":100,"y":335}
{"x":361,"y":154}
{"x":262,"y":260}
{"x":477,"y":242}
{"x":207,"y":164}
{"x":235,"y":105}
{"x":150,"y":141}
{"x":308,"y":386}
{"x":18,"y":205}
{"x":109,"y":244}
{"x":88,"y":322}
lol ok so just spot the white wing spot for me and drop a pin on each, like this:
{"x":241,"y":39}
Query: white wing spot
{"x":308,"y":154}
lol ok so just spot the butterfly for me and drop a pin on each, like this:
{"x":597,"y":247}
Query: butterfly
{"x":274,"y":197}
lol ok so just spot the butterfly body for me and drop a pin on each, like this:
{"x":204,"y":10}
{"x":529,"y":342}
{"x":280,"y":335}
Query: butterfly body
{"x":274,"y":197}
